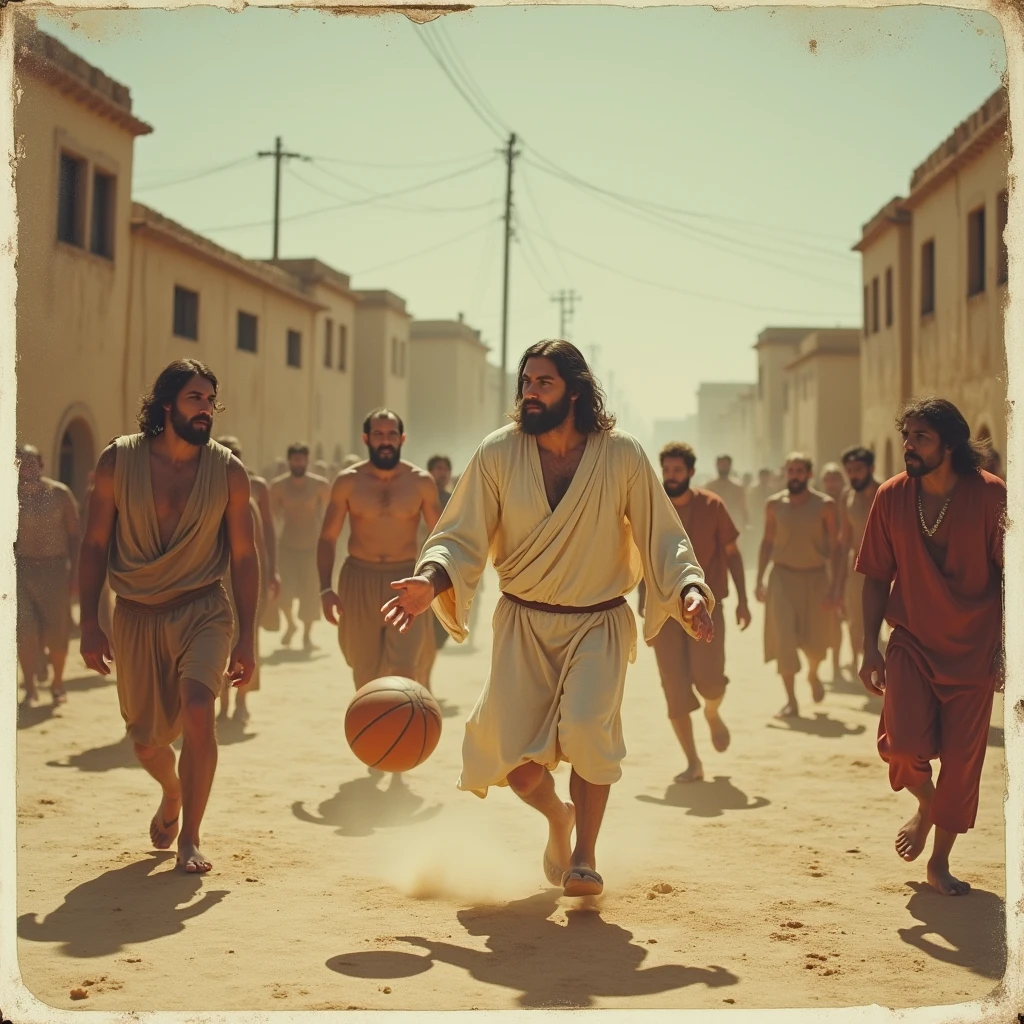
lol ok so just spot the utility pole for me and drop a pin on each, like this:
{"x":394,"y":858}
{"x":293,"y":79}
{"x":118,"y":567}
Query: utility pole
{"x":566,"y":307}
{"x":594,"y":352}
{"x":510,"y":154}
{"x":279,"y":154}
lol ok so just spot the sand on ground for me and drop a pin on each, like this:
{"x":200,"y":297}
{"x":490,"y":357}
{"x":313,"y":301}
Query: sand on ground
{"x":772,"y":884}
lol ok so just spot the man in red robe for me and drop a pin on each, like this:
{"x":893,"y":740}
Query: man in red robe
{"x":932,"y":556}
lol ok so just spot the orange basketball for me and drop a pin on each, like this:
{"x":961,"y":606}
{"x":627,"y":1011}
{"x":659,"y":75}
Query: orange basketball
{"x":393,"y":724}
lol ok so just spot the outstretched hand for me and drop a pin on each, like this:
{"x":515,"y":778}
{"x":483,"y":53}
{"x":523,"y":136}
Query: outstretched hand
{"x":697,"y":616}
{"x":414,"y":597}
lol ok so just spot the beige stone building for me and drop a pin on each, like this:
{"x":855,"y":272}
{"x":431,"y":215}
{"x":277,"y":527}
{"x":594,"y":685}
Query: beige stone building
{"x":776,"y":348}
{"x":381,"y":358}
{"x":934,"y":284}
{"x":821,"y":396}
{"x":110,"y":291}
{"x":451,"y":408}
{"x":717,"y":428}
{"x":75,"y":131}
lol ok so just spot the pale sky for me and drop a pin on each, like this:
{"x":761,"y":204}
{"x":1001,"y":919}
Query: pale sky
{"x":769,"y":151}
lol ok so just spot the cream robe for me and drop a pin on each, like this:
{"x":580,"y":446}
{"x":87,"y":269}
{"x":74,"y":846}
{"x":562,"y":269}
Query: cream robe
{"x":556,"y":679}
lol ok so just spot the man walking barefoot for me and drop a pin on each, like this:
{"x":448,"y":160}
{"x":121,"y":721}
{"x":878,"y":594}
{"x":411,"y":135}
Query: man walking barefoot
{"x":935,"y":537}
{"x":170,"y":511}
{"x":688,"y":669}
{"x":572,"y":514}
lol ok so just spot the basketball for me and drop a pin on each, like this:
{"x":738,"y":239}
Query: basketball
{"x":393,"y":724}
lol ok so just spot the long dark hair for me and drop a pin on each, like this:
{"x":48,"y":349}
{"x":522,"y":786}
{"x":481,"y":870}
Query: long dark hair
{"x":589,"y":411}
{"x":969,"y":454}
{"x":165,"y":391}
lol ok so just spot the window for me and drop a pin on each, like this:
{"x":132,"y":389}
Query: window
{"x":867,"y":311}
{"x":186,"y":313}
{"x":70,"y":202}
{"x":102,"y":243}
{"x":928,"y":278}
{"x":401,"y":359}
{"x":888,"y":297}
{"x":874,"y":305}
{"x":328,"y":343}
{"x":294,"y":354}
{"x":342,"y":347}
{"x":976,"y":252}
{"x":1002,"y":256}
{"x":247,"y":331}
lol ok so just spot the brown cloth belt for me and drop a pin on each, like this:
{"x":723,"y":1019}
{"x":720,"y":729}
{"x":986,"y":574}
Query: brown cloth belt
{"x":565,"y":609}
{"x":176,"y":602}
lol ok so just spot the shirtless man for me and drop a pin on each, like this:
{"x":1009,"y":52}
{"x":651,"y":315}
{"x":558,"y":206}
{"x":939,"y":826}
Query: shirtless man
{"x":269,"y":587}
{"x":688,"y":669}
{"x":932,"y":555}
{"x":384,"y":498}
{"x":46,"y":558}
{"x":168,"y":516}
{"x":859,"y":464}
{"x":297,"y":500}
{"x":801,"y":539}
{"x":833,"y":483}
{"x":730,"y":492}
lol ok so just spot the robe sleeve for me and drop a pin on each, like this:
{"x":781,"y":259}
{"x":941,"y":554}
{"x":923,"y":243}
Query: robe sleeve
{"x":666,"y":555}
{"x":461,"y":543}
{"x":876,"y":558}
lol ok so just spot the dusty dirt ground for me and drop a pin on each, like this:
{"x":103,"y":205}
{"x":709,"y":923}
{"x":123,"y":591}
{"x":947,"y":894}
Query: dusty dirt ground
{"x":772,"y":884}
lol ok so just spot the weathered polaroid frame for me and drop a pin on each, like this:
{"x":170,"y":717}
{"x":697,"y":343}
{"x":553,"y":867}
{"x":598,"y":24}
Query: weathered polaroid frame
{"x":1006,"y":1006}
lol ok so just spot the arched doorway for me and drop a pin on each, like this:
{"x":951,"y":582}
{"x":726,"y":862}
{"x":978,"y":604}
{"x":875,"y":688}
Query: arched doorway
{"x":76,"y":456}
{"x":888,"y":459}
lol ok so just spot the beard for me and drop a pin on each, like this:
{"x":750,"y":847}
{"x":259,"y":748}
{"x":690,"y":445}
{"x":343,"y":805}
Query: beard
{"x":297,"y":470}
{"x":861,"y":485}
{"x":796,"y":486}
{"x":917,"y":467}
{"x":385,"y":457}
{"x":195,"y":431}
{"x":533,"y":421}
{"x":674,"y":488}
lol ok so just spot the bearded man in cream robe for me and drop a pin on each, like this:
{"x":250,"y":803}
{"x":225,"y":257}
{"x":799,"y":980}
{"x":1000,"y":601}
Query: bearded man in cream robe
{"x":572,"y":514}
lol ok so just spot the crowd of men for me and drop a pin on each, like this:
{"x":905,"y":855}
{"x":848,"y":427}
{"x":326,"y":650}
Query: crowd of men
{"x":181,"y":552}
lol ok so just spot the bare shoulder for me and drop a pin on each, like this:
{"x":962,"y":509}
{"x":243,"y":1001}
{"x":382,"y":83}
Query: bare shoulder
{"x":237,"y":475}
{"x":107,"y":461}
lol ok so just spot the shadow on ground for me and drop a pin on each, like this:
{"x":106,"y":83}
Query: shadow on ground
{"x":850,"y":685}
{"x":549,"y":964}
{"x":708,"y":799}
{"x":819,"y":725}
{"x":968,"y":931}
{"x":290,"y":656}
{"x":122,"y":907}
{"x":361,"y":806}
{"x":45,"y":710}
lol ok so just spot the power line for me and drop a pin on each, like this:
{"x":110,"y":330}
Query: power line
{"x":393,"y":206}
{"x":197,"y":175}
{"x":440,"y":30}
{"x":356,"y":202}
{"x":434,"y":52}
{"x":433,"y":248}
{"x":566,"y":307}
{"x":706,"y":296}
{"x":401,"y":167}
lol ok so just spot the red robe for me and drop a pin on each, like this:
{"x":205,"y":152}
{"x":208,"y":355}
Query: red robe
{"x":944,"y":655}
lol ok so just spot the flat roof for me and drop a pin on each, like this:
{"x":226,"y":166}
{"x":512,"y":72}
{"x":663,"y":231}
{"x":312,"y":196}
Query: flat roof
{"x":144,"y":218}
{"x":893,"y":214}
{"x":381,"y":297}
{"x":50,"y":60}
{"x":311,"y":271}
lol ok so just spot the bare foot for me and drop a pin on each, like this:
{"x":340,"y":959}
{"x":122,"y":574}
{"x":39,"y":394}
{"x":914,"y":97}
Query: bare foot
{"x":817,"y":690}
{"x":58,"y":694}
{"x":287,"y":636}
{"x":190,"y":859}
{"x":719,"y":733}
{"x":582,"y":880}
{"x":940,"y":878}
{"x":31,"y":698}
{"x":911,"y":839}
{"x":163,"y":829}
{"x":307,"y":643}
{"x":558,"y":852}
{"x":694,"y":773}
{"x":241,"y":714}
{"x":789,"y":710}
